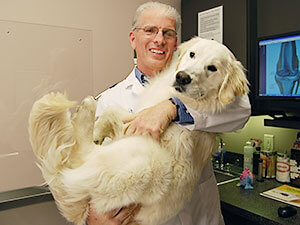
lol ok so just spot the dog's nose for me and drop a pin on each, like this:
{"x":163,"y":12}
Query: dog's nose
{"x":182,"y":78}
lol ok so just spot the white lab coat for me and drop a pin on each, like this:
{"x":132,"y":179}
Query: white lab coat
{"x":204,"y":206}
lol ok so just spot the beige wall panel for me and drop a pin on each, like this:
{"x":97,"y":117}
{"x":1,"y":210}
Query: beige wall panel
{"x":35,"y":59}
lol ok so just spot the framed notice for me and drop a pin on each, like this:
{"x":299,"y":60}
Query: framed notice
{"x":210,"y":24}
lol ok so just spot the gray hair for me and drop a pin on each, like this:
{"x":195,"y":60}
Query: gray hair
{"x":164,"y":8}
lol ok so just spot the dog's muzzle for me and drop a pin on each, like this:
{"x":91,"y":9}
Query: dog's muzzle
{"x":182,"y":79}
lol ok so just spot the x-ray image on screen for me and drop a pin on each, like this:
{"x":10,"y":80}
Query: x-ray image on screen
{"x":279,"y":73}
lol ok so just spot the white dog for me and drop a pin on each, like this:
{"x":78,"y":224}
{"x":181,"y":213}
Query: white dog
{"x":161,"y":176}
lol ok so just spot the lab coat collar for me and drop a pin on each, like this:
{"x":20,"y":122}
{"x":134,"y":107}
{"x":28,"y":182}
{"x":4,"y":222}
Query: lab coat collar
{"x":133,"y":84}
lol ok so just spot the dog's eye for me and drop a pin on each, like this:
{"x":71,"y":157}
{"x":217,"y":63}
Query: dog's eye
{"x":212,"y":68}
{"x":192,"y":54}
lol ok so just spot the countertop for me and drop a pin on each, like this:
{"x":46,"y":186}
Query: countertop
{"x":251,"y":205}
{"x":23,"y":197}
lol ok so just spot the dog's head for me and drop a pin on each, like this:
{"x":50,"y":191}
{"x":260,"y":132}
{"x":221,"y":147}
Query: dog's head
{"x":208,"y":69}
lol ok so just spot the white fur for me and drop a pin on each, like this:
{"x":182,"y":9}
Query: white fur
{"x":160,"y":176}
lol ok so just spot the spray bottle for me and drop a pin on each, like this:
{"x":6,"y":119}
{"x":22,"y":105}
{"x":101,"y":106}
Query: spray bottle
{"x":248,"y":156}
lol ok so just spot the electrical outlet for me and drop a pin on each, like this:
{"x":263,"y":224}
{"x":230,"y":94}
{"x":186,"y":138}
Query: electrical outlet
{"x":269,"y":142}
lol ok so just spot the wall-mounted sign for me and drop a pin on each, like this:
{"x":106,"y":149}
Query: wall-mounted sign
{"x":210,"y":24}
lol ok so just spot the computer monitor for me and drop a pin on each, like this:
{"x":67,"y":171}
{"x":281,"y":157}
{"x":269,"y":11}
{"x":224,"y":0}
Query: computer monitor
{"x":278,"y":66}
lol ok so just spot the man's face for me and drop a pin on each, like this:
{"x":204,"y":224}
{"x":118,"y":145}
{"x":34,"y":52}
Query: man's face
{"x":153,"y":52}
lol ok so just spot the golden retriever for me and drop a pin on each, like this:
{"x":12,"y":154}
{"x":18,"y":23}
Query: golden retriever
{"x":161,"y":176}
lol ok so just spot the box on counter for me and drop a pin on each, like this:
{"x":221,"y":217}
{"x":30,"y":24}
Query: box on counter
{"x":295,"y":166}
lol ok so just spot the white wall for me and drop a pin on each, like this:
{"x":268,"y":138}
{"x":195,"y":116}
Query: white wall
{"x":109,"y":20}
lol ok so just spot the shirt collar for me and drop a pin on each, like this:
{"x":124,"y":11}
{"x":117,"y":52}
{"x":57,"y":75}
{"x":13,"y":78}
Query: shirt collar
{"x":142,"y":78}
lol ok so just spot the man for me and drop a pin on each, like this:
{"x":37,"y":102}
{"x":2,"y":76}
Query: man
{"x":153,"y":36}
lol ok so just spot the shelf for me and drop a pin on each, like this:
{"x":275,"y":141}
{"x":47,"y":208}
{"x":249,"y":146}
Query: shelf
{"x":284,"y":122}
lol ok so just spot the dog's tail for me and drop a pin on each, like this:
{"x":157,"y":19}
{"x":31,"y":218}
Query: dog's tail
{"x":51,"y":133}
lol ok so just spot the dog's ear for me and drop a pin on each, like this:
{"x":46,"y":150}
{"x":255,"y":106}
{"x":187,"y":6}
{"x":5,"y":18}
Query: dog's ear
{"x":183,"y":47}
{"x":234,"y":84}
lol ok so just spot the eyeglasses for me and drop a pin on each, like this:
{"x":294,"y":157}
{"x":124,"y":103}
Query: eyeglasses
{"x":152,"y":31}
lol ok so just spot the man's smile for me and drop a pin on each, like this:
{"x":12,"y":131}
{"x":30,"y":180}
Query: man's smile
{"x":157,"y":51}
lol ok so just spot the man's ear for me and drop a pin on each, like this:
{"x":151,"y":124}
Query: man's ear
{"x":176,"y":44}
{"x":132,"y":39}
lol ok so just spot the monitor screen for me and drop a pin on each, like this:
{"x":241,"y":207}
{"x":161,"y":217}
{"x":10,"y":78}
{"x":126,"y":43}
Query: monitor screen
{"x":279,"y":60}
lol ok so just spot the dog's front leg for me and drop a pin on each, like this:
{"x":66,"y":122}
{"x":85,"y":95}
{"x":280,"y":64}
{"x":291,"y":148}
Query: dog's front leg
{"x":110,"y":125}
{"x":83,"y":125}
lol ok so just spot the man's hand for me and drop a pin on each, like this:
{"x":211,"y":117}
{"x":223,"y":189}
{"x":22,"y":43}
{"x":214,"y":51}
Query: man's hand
{"x":123,"y":216}
{"x":153,"y":120}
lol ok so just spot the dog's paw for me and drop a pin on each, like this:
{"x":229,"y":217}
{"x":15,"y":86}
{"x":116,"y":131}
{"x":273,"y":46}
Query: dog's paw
{"x":87,"y":106}
{"x":89,"y":103}
{"x":85,"y":111}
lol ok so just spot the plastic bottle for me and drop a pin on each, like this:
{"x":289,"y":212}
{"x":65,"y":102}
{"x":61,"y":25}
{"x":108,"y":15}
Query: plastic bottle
{"x":221,"y":154}
{"x":259,"y":174}
{"x":248,"y":156}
